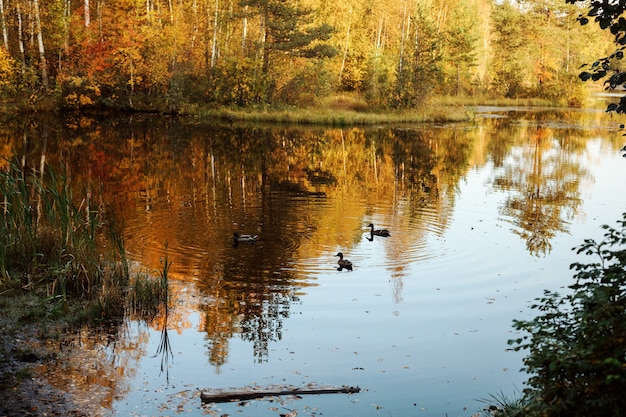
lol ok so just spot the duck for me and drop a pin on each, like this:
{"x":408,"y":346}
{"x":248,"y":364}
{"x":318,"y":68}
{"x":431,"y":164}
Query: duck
{"x":343,"y":263}
{"x":237,"y":238}
{"x":379,"y":232}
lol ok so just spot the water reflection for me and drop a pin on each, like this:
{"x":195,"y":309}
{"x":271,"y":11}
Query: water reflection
{"x":542,"y":178}
{"x":307,"y":193}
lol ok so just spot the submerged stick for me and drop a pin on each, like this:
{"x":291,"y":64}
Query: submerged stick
{"x":239,"y":395}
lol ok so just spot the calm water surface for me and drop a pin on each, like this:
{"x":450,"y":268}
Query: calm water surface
{"x":483,"y":217}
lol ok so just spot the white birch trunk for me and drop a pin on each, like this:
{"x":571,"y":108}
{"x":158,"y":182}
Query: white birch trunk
{"x":87,"y":14}
{"x":20,"y":36}
{"x":345,"y":49}
{"x":402,"y":36}
{"x":42,"y":51}
{"x":244,"y":31}
{"x":214,"y":43}
{"x":379,"y":36}
{"x":3,"y":22}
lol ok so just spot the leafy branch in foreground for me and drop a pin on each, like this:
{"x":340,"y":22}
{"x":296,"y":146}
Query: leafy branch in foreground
{"x":577,"y":344}
{"x":608,"y":14}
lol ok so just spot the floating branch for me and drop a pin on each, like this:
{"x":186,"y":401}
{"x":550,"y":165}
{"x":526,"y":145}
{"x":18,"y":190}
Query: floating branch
{"x":220,"y":396}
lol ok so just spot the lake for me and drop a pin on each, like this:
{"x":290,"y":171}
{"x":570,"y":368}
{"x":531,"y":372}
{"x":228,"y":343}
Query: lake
{"x":482,"y":215}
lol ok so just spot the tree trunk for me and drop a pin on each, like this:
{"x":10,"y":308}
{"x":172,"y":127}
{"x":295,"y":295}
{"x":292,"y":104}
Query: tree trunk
{"x":402,"y":37}
{"x":244,"y":30}
{"x":42,"y":52}
{"x":214,"y":42}
{"x":3,"y":23}
{"x":20,"y":36}
{"x":87,"y":14}
{"x":345,"y":49}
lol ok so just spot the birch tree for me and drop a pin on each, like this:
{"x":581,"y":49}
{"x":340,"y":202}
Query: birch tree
{"x":42,"y":52}
{"x":3,"y":23}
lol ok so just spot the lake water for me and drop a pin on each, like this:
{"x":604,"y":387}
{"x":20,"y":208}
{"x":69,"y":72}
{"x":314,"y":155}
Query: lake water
{"x":483,"y":217}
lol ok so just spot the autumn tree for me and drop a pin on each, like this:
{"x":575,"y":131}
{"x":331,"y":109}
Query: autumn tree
{"x":507,"y":77}
{"x":536,"y":51}
{"x":7,"y":72}
{"x":418,"y":67}
{"x":461,"y":36}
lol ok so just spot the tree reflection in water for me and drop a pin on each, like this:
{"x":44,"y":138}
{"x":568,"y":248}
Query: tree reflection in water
{"x":543,"y":179}
{"x":305,"y":192}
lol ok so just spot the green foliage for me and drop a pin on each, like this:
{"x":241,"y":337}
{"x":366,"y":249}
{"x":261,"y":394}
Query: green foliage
{"x":379,"y":82}
{"x":577,"y":343}
{"x":288,"y":31}
{"x":607,"y":14}
{"x":236,"y":83}
{"x":304,"y":88}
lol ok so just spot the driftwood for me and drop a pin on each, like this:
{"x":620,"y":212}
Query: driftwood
{"x":219,"y":396}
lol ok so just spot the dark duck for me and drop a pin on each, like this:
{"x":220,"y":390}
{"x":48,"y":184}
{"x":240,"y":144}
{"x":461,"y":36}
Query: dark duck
{"x":237,"y":238}
{"x":378,"y":232}
{"x":343,"y":263}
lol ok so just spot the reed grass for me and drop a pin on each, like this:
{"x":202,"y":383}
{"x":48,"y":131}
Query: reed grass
{"x":53,"y":242}
{"x":501,"y":405}
{"x":337,"y":115}
{"x":480,"y":100}
{"x":149,"y":295}
{"x":352,"y":110}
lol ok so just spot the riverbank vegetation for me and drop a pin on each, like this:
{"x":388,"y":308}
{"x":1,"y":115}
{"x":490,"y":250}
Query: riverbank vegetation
{"x":66,"y":249}
{"x":189,"y":56}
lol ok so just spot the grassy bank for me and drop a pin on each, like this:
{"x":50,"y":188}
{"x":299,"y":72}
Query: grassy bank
{"x":352,"y":110}
{"x":338,"y":115}
{"x":338,"y":110}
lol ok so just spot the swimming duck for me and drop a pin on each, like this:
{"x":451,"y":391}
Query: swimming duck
{"x":343,"y":263}
{"x":237,"y":238}
{"x":379,"y":232}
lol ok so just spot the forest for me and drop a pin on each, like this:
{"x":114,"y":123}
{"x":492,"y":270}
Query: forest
{"x":179,"y":54}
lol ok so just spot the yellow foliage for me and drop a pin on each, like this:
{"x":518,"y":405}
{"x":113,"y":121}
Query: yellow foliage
{"x":78,"y":100}
{"x":7,"y":69}
{"x":85,"y":100}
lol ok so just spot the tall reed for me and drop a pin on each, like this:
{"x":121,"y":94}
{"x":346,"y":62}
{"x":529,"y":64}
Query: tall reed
{"x":148,"y":295}
{"x":50,"y":238}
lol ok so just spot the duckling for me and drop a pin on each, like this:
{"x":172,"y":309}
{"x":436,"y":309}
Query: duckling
{"x":379,"y":232}
{"x":237,"y":238}
{"x":343,"y":263}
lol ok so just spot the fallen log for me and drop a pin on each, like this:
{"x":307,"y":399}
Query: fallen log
{"x":220,"y":396}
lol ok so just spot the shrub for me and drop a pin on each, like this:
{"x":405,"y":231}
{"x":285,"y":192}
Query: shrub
{"x":577,"y":344}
